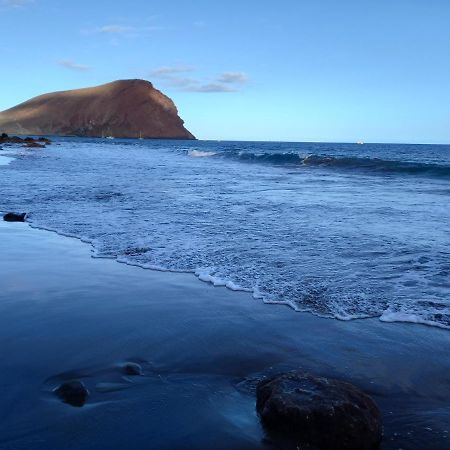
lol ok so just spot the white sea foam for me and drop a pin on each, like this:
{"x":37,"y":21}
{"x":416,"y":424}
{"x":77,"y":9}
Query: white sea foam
{"x":392,"y":316}
{"x":5,"y":160}
{"x":201,"y":154}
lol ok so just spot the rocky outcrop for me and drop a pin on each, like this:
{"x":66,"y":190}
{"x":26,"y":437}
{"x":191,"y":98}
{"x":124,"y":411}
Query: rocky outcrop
{"x":126,"y":108}
{"x":14,"y":217}
{"x":28,"y":142}
{"x":73,"y":393}
{"x":318,"y":412}
{"x":132,"y":369}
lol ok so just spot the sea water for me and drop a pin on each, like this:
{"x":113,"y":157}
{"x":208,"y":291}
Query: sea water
{"x":343,"y":231}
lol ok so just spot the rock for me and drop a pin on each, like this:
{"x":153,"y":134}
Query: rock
{"x":74,"y":393}
{"x":123,"y":108}
{"x":5,"y":139}
{"x":28,"y":141}
{"x":132,"y":369}
{"x":320,"y":412}
{"x":34,"y":145}
{"x":14,"y":217}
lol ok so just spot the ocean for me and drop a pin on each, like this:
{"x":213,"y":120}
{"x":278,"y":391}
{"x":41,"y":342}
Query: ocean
{"x":342,"y":231}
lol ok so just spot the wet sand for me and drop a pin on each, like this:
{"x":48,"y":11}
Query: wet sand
{"x":65,"y":315}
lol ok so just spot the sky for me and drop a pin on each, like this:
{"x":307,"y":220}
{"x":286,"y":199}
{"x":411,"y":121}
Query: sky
{"x":285,"y":70}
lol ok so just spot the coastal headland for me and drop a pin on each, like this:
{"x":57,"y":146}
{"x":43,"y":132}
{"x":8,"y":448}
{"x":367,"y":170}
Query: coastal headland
{"x":122,"y":109}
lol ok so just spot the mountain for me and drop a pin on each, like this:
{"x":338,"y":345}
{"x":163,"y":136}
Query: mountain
{"x":124,"y":108}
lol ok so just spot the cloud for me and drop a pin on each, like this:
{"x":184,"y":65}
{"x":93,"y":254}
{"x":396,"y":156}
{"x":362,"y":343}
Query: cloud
{"x":199,"y":24}
{"x":211,"y":87}
{"x":73,"y":66}
{"x":122,"y":30}
{"x":15,"y":3}
{"x":167,"y":71}
{"x":113,"y":29}
{"x":233,"y":77}
{"x":173,"y":76}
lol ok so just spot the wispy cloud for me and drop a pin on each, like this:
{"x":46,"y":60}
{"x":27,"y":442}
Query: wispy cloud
{"x":175,"y":77}
{"x":15,"y":3}
{"x":120,"y":30}
{"x":73,"y":66}
{"x":167,"y":71}
{"x":233,"y":77}
{"x":212,"y":87}
{"x":199,"y":24}
{"x":113,"y":29}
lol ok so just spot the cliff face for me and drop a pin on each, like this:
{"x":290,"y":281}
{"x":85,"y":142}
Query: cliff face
{"x":125,"y":108}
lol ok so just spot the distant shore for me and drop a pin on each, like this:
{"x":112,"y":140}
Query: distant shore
{"x":63,"y":314}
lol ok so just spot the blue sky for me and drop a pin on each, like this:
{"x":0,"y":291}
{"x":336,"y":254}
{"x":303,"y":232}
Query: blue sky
{"x":292,"y":70}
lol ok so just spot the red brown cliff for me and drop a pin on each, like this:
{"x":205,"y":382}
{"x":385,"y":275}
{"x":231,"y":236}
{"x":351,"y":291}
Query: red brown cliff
{"x":125,"y":108}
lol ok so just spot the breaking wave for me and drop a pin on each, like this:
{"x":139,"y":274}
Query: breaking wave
{"x":339,"y":162}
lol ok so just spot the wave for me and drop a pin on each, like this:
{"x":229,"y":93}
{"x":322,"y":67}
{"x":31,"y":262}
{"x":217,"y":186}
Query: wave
{"x":390,"y":315}
{"x":292,"y":246}
{"x":5,"y":160}
{"x":200,"y":153}
{"x":337,"y":162}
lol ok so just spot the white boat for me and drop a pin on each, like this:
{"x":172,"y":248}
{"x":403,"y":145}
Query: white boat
{"x":110,"y":137}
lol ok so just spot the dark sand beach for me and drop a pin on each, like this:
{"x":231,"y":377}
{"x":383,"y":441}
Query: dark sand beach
{"x":65,"y":315}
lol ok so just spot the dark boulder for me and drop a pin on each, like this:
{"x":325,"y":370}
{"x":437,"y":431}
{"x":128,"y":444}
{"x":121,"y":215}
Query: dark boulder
{"x":33,"y":144}
{"x":73,"y":393}
{"x":318,"y":412}
{"x":28,"y":141}
{"x":132,"y":369}
{"x":14,"y":217}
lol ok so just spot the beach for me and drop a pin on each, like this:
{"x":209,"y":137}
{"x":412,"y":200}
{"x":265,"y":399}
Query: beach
{"x":65,"y":315}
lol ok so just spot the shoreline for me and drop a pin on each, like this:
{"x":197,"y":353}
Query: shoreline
{"x":386,"y":317}
{"x":62,"y":312}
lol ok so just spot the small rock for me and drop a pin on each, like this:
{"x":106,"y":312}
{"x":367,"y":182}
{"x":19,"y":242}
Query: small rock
{"x":323,"y":413}
{"x":14,"y":217}
{"x":132,"y":369}
{"x":74,"y":393}
{"x":33,"y":144}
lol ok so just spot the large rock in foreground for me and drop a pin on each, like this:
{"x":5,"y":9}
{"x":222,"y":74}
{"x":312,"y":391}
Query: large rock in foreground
{"x":319,"y":412}
{"x":126,"y":108}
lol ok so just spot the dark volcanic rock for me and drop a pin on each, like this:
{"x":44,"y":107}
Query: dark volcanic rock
{"x":124,"y":108}
{"x":27,"y":142}
{"x":5,"y":139}
{"x":14,"y":217}
{"x":319,"y":412}
{"x":73,"y":392}
{"x":132,"y":369}
{"x":33,"y":144}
